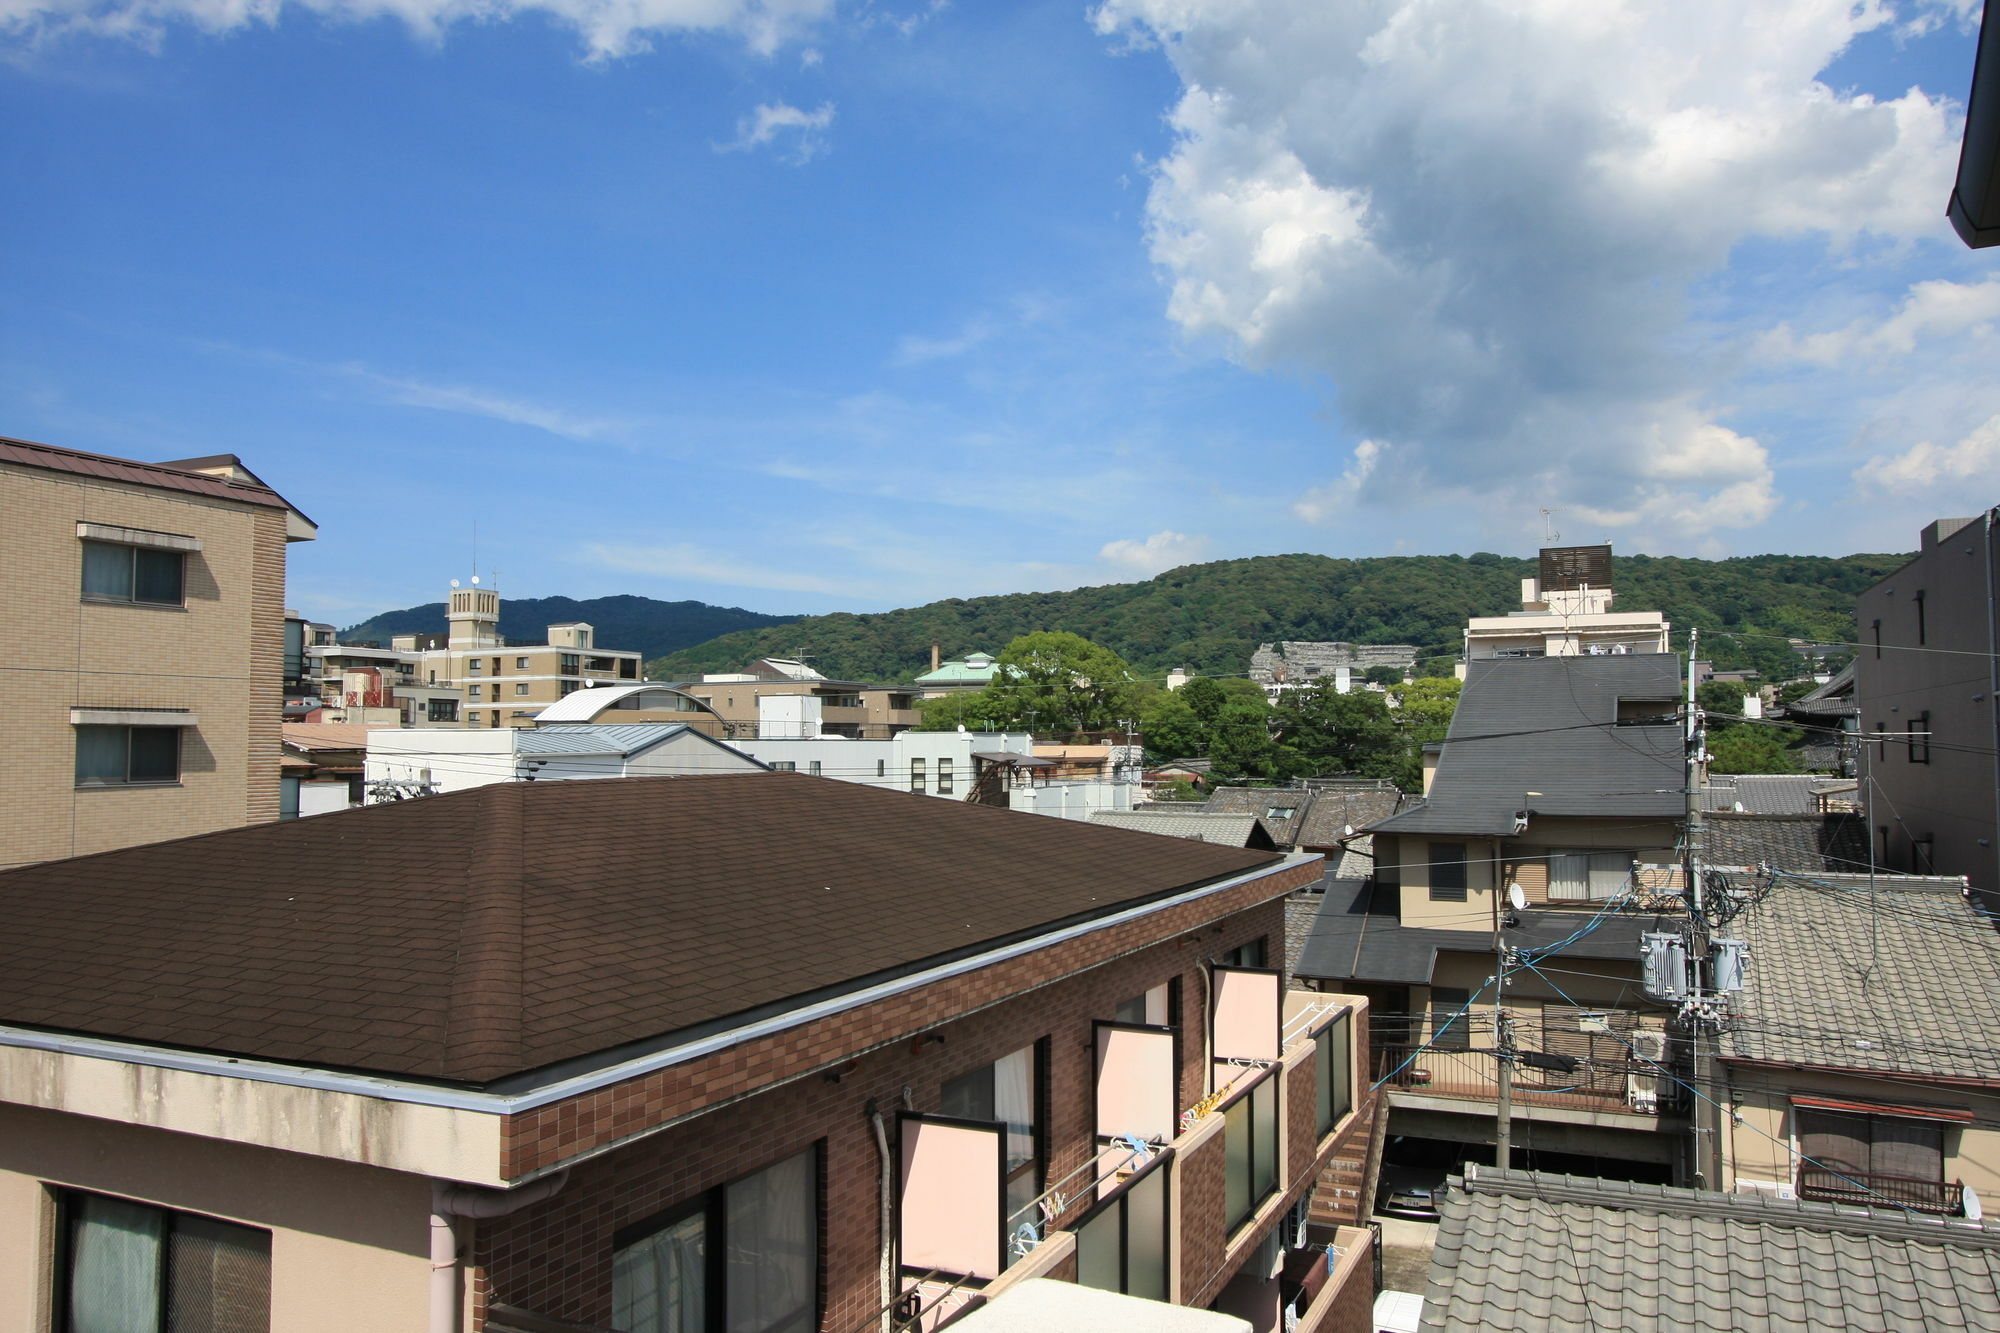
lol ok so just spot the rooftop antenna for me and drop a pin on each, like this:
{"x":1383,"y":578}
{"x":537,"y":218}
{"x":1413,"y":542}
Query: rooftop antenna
{"x":1549,"y":535}
{"x":475,"y":550}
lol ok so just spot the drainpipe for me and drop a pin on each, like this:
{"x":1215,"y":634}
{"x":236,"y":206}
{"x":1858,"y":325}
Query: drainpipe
{"x":888,"y":1277}
{"x":449,"y":1201}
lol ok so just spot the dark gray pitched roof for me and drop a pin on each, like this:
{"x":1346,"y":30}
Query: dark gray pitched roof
{"x":1764,"y":793}
{"x":1356,"y":936}
{"x":1544,"y":725}
{"x":1902,"y":977}
{"x":1523,"y":1252}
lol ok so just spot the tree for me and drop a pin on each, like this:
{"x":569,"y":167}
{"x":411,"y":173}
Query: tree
{"x":1241,"y":745}
{"x":1722,"y":701}
{"x":1173,"y":731}
{"x":1175,"y":789}
{"x":1425,"y":707}
{"x":1432,"y":668}
{"x":1057,"y":681}
{"x":1204,"y":697}
{"x":1331,"y":732}
{"x":1385,"y":675}
{"x":1744,"y":749}
{"x":974,"y":710}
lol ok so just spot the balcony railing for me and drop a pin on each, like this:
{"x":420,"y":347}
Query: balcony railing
{"x":1474,"y":1076}
{"x":1875,"y":1190}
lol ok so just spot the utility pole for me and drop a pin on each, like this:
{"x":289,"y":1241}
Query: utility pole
{"x":1697,"y":1012}
{"x":1503,"y":1040}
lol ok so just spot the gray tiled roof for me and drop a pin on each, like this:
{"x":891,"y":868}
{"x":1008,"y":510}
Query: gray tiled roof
{"x":1224,"y":830}
{"x":624,"y":738}
{"x":1257,"y":800}
{"x":1549,"y":720}
{"x":1356,"y":936}
{"x":1337,"y":813}
{"x":1523,"y":1252}
{"x":1809,"y":844}
{"x":1903,"y":977}
{"x":1765,"y":793}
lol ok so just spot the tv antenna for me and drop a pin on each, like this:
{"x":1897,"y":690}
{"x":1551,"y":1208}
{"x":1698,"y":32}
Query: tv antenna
{"x":1549,"y":534}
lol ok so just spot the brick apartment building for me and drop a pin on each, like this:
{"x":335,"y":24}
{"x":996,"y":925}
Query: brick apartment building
{"x":144,"y":638}
{"x":747,"y":1051}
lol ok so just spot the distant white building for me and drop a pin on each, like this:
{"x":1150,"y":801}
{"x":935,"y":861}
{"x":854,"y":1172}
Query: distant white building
{"x":405,"y":763}
{"x":1566,"y":612}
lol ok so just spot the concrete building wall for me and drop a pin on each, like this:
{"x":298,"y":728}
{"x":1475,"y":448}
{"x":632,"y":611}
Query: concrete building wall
{"x":220,"y":656}
{"x":1928,"y":633}
{"x":349,"y":1244}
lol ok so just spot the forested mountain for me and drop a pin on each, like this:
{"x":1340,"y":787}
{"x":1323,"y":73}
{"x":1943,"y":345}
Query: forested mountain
{"x":652,"y":627}
{"x":1210,"y":617}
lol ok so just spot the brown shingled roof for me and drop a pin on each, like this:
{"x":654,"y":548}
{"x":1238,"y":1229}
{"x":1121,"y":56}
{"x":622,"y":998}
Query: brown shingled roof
{"x":483,"y":933}
{"x":29,"y":453}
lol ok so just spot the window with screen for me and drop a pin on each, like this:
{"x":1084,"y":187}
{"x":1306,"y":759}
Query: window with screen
{"x":1447,"y":872}
{"x":125,"y":1267}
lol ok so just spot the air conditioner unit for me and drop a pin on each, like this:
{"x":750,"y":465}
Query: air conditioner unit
{"x":1648,"y":1045}
{"x":1642,"y":1093}
{"x":1776,"y":1189}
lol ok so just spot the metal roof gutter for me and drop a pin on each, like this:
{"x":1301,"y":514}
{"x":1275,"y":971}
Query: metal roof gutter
{"x":494,"y":1103}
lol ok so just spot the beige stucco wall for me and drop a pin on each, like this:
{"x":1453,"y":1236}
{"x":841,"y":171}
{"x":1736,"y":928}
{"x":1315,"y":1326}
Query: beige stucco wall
{"x":1412,"y":855}
{"x":1759,"y":1148}
{"x":433,"y":1140}
{"x":220,"y":657}
{"x":349,"y":1244}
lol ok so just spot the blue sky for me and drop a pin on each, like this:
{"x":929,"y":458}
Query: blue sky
{"x":807,"y":306}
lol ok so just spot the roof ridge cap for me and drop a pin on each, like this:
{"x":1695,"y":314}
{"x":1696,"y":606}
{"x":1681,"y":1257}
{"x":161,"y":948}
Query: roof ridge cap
{"x":483,"y":1020}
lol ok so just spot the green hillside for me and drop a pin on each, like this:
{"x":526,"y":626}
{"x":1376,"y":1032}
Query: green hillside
{"x":1210,"y":617}
{"x":645,"y":624}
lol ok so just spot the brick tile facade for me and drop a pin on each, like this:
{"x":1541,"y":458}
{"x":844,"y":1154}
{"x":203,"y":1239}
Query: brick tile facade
{"x":816,"y":1084}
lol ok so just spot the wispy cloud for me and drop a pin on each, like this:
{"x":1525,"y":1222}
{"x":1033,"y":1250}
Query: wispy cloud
{"x":497,"y":407}
{"x":687,"y":562}
{"x":608,"y":28}
{"x":780,"y":122}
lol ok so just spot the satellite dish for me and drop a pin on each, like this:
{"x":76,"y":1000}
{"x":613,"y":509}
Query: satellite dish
{"x":454,"y":583}
{"x":1516,"y":899}
{"x":475,"y":580}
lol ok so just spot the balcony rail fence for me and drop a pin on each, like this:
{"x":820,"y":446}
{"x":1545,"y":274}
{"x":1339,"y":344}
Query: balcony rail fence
{"x":1588,"y":1085}
{"x":1876,"y":1190}
{"x":793,"y":731}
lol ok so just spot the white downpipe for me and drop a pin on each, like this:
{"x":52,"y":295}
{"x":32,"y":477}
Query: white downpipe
{"x":883,"y":1218}
{"x":450,"y":1201}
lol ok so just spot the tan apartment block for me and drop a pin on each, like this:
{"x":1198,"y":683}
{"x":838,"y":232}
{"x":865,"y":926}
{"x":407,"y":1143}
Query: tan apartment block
{"x":144,"y":643}
{"x":503,"y":682}
{"x":865,"y":712}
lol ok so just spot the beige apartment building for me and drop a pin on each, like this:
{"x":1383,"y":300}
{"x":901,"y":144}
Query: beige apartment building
{"x":1566,"y":612}
{"x":504,"y":682}
{"x":144,"y":641}
{"x":845,"y":707}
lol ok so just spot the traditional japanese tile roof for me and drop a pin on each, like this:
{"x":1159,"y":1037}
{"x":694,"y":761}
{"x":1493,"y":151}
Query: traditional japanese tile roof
{"x":1291,"y":803}
{"x":1809,"y":844}
{"x":1547,"y":725}
{"x":1764,"y":793}
{"x":1901,"y":974}
{"x":1337,"y":815}
{"x":483,"y":933}
{"x":1525,"y":1252}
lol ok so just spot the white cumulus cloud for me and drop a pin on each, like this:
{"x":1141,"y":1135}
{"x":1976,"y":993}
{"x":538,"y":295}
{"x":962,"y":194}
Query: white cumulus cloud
{"x":780,"y":122}
{"x":1482,"y":223}
{"x":1148,"y":556}
{"x":1939,"y":473}
{"x":607,"y":28}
